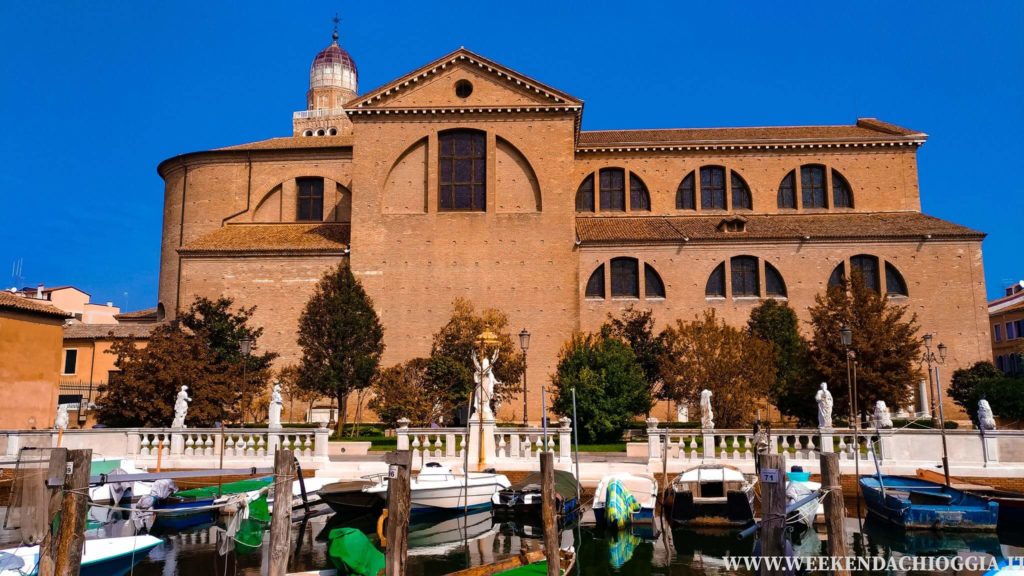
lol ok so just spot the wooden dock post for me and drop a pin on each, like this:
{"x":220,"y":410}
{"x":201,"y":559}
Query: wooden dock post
{"x":48,"y":547}
{"x":75,"y":504}
{"x":548,"y":514}
{"x":773,"y":506}
{"x":281,"y":521}
{"x":399,"y":470}
{"x":835,"y":510}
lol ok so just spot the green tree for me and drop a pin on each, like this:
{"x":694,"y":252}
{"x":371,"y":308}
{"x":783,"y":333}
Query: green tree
{"x":885,"y":344}
{"x":794,"y":386}
{"x":406,"y":391}
{"x":636,"y":328}
{"x":451,"y":362}
{"x":341,"y":338}
{"x":707,"y":353}
{"x":609,"y":383}
{"x":1004,"y":393}
{"x":965,"y":381}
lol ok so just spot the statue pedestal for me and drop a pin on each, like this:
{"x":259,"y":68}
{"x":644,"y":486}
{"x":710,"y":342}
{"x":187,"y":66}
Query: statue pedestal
{"x":885,"y":446}
{"x":485,"y":458}
{"x":177,"y":442}
{"x":825,"y":445}
{"x":709,"y":445}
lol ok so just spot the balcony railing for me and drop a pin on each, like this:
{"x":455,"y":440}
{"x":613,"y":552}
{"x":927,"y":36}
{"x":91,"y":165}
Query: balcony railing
{"x":319,"y":113}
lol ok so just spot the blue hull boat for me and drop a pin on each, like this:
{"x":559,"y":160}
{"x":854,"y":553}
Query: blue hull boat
{"x":180,"y":514}
{"x":919,"y":504}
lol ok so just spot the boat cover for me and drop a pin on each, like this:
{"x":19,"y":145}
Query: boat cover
{"x":351,"y":550}
{"x":565,"y":484}
{"x":619,"y":504}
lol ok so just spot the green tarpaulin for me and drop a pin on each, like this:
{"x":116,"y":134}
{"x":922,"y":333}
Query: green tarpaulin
{"x":229,"y":488}
{"x":351,"y":552}
{"x":565,"y":483}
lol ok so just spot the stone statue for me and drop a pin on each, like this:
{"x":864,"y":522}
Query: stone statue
{"x":61,"y":423}
{"x":824,"y":400}
{"x":483,"y":376}
{"x":276,"y":404}
{"x":682,"y":412}
{"x":881,"y":416}
{"x":986,"y":420}
{"x":181,"y":408}
{"x":707,"y":415}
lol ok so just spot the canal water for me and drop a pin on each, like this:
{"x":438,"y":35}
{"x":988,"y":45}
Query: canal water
{"x":441,"y":545}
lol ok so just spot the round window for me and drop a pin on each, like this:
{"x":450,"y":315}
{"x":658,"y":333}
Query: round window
{"x":463,"y":88}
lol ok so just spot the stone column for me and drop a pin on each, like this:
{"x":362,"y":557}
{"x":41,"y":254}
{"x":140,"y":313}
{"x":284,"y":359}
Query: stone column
{"x":402,"y":434}
{"x":320,"y":440}
{"x":482,"y":432}
{"x":653,"y":445}
{"x":564,"y":439}
{"x":923,"y":411}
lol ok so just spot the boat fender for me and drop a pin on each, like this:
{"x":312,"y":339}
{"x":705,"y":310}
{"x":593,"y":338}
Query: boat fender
{"x":380,"y":528}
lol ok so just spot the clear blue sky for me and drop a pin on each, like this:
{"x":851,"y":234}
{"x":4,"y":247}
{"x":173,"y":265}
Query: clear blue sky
{"x":93,"y":95}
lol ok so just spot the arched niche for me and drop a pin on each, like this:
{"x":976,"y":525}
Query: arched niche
{"x":405,"y":190}
{"x":517,"y":187}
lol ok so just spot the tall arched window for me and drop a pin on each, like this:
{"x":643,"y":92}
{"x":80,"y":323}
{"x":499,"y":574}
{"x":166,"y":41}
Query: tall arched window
{"x":712,"y":188}
{"x":787,"y":191}
{"x":812,"y":185}
{"x":653,"y":286}
{"x":867,"y":265}
{"x":685,"y":195}
{"x":639,"y":199}
{"x":625,"y":277}
{"x":744,"y":277}
{"x":613,"y":189}
{"x":309,"y":200}
{"x":462,"y":169}
{"x":842,"y":197}
{"x":744,"y":273}
{"x":870,"y":268}
{"x":741,"y":199}
{"x":585,"y":195}
{"x":595,"y":285}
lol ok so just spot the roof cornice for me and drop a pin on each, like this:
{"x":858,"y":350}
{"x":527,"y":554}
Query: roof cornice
{"x":771,"y":145}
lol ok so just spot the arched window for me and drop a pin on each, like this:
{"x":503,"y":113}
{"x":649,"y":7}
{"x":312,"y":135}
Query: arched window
{"x":462,"y":184}
{"x":685,"y":196}
{"x":741,"y":199}
{"x":787,"y":191}
{"x":812,"y":184}
{"x":842,"y":197}
{"x":712,"y":188}
{"x":894,"y":283}
{"x":585,"y":195}
{"x":595,"y":285}
{"x":838,"y":277}
{"x":774,"y":285}
{"x":653,"y":286}
{"x":744,"y":277}
{"x":639,"y":199}
{"x":309,"y":200}
{"x":625,"y":277}
{"x":715,"y":287}
{"x":613,"y":189}
{"x":867,"y":265}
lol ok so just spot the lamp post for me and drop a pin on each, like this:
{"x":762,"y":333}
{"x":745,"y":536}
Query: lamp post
{"x":930,"y":358}
{"x":524,"y":343}
{"x":846,"y":338}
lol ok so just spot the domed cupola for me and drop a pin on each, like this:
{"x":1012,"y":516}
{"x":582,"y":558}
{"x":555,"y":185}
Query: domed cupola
{"x":333,"y":77}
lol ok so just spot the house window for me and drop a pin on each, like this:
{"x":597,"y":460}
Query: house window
{"x":653,"y":286}
{"x":842,"y":197}
{"x":70,"y":361}
{"x":894,"y":283}
{"x":744,"y":277}
{"x":310,"y":200}
{"x":585,"y":195}
{"x":741,"y":199}
{"x":639,"y":199}
{"x":712,"y":188}
{"x":787,"y":192}
{"x":868,"y":267}
{"x":774,"y":286}
{"x":463,"y":170}
{"x":685,"y":196}
{"x":1011,"y":331}
{"x":997,"y":332}
{"x":812,"y":184}
{"x":595,"y":285}
{"x":1020,"y":328}
{"x":625,"y":278}
{"x":715,"y":287}
{"x":613,"y":189}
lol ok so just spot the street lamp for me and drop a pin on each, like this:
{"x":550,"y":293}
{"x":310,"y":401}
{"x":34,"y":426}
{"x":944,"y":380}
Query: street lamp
{"x":930,"y":358}
{"x":524,"y":343}
{"x":846,"y":338}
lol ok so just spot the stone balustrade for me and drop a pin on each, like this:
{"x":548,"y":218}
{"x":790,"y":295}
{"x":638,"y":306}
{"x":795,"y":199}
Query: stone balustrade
{"x":504,"y":448}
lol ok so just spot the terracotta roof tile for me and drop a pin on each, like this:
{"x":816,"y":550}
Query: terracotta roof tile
{"x":10,"y":301}
{"x":291,"y":142}
{"x":866,"y":129}
{"x":890,"y":225}
{"x":137,"y":315}
{"x":304,"y":237}
{"x":80,"y":331}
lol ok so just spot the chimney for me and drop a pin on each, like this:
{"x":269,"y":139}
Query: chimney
{"x":39,"y":292}
{"x":110,"y":304}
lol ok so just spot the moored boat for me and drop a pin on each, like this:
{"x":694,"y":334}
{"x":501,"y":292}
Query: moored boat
{"x":624,"y":498}
{"x":919,"y":504}
{"x":436,"y":488}
{"x":101,"y":557}
{"x":712,"y":494}
{"x":798,"y":486}
{"x":351,"y":498}
{"x":186,"y":509}
{"x":524,"y":498}
{"x":1011,"y":504}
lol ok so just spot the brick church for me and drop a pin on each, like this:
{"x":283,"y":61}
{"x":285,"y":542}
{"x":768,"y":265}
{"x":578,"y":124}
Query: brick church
{"x":466,"y":178}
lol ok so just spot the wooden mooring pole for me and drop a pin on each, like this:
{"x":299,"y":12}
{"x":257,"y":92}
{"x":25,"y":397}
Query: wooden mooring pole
{"x":835,"y":510}
{"x":773,"y":507}
{"x":281,"y":521}
{"x":48,"y":547}
{"x":75,"y":504}
{"x":548,"y":514}
{"x":399,"y":471}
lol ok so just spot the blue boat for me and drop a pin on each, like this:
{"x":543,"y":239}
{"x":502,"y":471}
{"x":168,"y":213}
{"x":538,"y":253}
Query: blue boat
{"x":178,"y":514}
{"x":919,"y":504}
{"x":102,"y":557}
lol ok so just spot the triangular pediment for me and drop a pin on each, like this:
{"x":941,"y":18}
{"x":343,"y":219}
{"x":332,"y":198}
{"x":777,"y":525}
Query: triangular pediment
{"x":491,"y":85}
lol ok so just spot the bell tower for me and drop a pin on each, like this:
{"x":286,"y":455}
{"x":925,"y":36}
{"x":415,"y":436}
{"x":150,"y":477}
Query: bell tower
{"x":333,"y":80}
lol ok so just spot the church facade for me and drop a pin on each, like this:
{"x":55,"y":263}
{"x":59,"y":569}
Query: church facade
{"x":468,"y":179}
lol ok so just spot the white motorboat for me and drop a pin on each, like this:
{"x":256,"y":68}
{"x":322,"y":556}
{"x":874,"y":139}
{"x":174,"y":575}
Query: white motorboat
{"x":113,"y":491}
{"x":436,"y":488}
{"x":643,"y":487}
{"x":712,"y":494}
{"x":798,"y":486}
{"x":101,"y":557}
